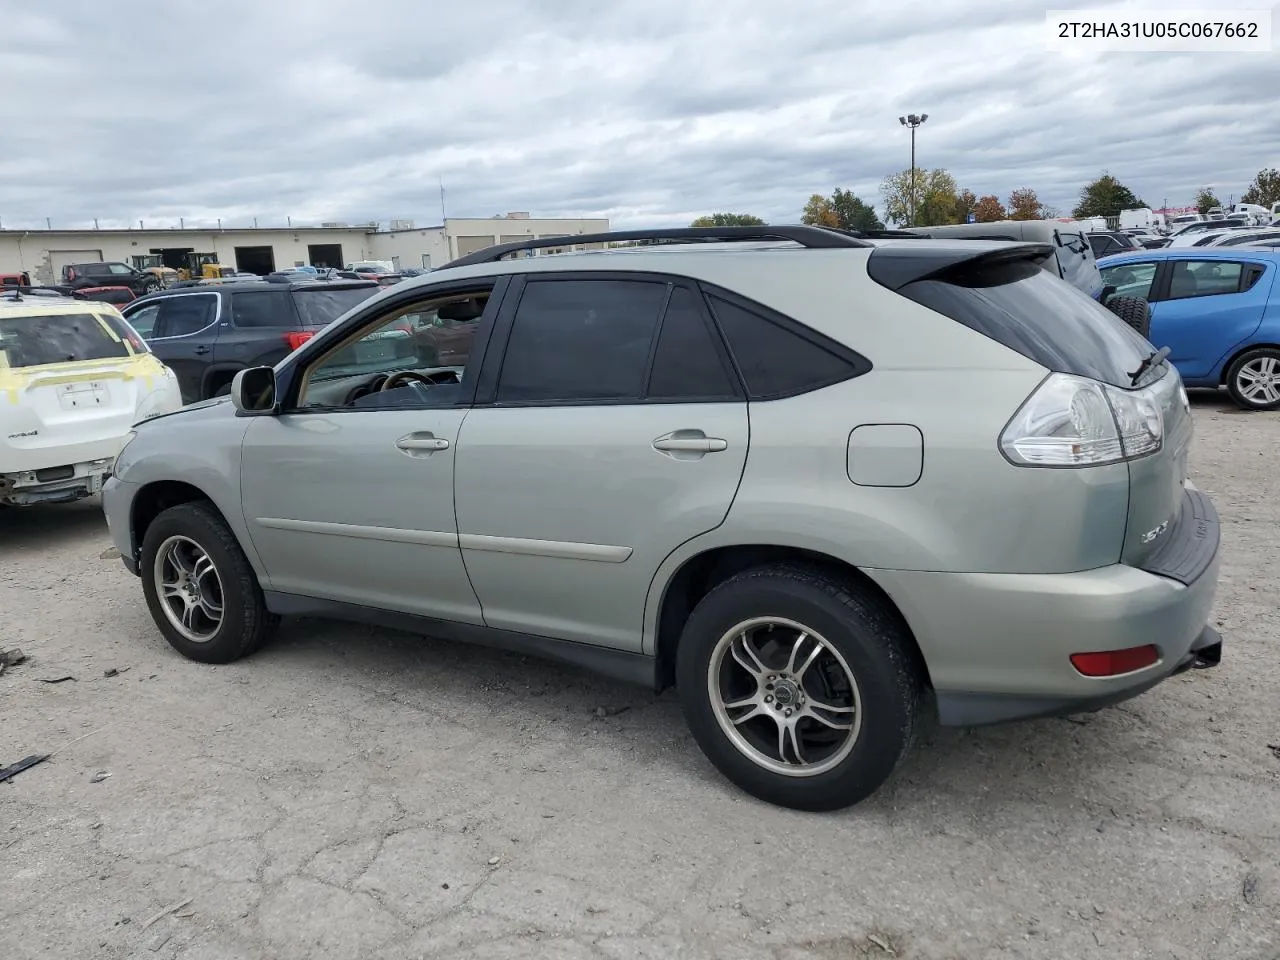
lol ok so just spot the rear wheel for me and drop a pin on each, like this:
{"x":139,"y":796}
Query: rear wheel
{"x":799,"y":687}
{"x":1253,"y":380}
{"x":1134,"y":311}
{"x":200,"y":588}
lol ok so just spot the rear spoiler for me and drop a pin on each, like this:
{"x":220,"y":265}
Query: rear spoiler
{"x":896,"y":266}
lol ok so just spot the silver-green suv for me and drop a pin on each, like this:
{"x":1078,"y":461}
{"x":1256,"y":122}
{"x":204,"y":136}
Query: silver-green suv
{"x":827,"y":489}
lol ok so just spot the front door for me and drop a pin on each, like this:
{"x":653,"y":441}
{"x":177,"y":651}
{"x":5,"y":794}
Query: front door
{"x":1209,"y":307}
{"x":348,"y":493}
{"x":615,"y":432}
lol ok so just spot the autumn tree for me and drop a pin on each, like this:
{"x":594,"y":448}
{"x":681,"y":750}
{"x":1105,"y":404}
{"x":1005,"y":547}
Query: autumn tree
{"x":1265,"y":189}
{"x":965,"y":202}
{"x":841,"y":210}
{"x":989,"y":209}
{"x":1105,"y":197}
{"x":1206,"y":201}
{"x":819,"y":212}
{"x":1025,"y":205}
{"x":932,"y":194}
{"x":728,"y":220}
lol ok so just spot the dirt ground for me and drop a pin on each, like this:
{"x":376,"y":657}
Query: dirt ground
{"x":355,"y":793}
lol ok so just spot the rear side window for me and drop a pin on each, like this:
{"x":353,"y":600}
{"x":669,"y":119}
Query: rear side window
{"x":266,"y":308}
{"x":776,"y":361}
{"x":1203,"y":278}
{"x":35,"y":341}
{"x":575,"y":340}
{"x":688,"y":364}
{"x":1017,"y":304}
{"x":319,"y":308}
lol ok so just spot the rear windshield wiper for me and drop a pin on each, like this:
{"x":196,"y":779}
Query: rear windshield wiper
{"x":1147,"y":364}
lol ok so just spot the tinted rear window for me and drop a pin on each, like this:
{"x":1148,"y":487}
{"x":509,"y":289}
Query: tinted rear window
{"x":1042,"y":318}
{"x":28,"y":341}
{"x":321,"y":307}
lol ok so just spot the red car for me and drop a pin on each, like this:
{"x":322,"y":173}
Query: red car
{"x":116,"y":296}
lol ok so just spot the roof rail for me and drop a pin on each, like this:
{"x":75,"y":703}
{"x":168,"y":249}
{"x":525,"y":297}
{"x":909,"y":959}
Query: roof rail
{"x":816,"y":238}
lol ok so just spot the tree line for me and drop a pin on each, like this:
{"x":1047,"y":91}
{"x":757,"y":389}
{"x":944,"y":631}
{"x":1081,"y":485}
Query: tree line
{"x":935,"y":198}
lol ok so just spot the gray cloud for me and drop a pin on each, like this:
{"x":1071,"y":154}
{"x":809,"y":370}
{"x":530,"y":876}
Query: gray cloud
{"x":646,"y":112}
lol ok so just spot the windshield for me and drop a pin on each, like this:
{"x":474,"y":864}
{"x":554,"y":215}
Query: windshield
{"x":319,"y":308}
{"x":33,"y":341}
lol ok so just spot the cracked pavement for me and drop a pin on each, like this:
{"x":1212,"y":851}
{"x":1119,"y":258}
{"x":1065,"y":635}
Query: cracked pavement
{"x":351,"y":792}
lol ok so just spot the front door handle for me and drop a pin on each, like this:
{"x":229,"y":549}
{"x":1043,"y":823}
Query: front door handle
{"x":689,"y":444}
{"x":202,"y":349}
{"x":419,"y":443}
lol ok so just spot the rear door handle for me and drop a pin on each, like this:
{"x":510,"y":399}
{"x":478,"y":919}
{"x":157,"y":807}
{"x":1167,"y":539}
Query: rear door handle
{"x":689,"y":442}
{"x":202,"y":349}
{"x":425,"y":442}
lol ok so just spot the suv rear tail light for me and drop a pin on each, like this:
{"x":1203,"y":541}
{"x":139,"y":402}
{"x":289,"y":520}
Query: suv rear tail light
{"x":297,"y":338}
{"x":1112,"y":663}
{"x":1076,"y":422}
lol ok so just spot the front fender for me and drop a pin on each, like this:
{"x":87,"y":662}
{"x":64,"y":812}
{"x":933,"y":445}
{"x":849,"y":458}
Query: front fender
{"x":198,"y":446}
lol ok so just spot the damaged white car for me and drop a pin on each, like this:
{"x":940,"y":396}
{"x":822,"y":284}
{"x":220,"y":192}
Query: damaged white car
{"x":74,"y":379}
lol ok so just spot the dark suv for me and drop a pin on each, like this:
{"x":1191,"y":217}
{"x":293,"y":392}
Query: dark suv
{"x":109,"y":274}
{"x":206,"y":335}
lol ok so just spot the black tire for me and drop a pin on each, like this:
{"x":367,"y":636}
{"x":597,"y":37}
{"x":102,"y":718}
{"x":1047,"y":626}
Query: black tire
{"x":245,"y":622}
{"x":1256,"y":361}
{"x":151,"y":286}
{"x":1134,"y":311}
{"x":869,"y":637}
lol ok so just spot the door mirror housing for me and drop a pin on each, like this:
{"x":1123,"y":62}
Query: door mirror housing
{"x":253,"y":391}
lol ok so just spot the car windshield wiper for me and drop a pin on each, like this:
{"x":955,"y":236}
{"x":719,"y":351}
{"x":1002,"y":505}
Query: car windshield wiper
{"x":1155,"y":358}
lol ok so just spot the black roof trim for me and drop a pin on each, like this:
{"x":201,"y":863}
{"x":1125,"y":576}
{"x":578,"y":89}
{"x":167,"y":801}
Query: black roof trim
{"x":806,"y":236}
{"x":898,"y":265}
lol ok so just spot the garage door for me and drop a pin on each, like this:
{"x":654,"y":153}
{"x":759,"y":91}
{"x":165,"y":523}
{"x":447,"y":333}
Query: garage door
{"x":60,"y":258}
{"x":473,"y":244}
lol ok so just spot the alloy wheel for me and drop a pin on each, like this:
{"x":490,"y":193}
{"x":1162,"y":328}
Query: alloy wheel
{"x":189,"y":588}
{"x":1258,"y":381}
{"x":784,"y":696}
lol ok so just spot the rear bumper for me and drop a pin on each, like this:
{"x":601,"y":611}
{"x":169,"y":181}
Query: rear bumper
{"x":998,"y":646}
{"x":60,"y":484}
{"x":958,"y":709}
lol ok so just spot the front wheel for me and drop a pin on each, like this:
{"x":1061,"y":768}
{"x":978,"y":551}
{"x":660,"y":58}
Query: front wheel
{"x":801,"y":688}
{"x":1253,"y":380}
{"x":201,"y":591}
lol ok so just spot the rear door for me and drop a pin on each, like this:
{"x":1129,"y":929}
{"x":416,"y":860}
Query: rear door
{"x":1203,"y":309}
{"x":609,"y":428}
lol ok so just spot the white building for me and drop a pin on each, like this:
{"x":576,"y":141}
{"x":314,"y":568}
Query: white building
{"x":43,"y":253}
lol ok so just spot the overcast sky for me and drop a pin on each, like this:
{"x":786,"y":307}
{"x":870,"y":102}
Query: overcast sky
{"x":648,"y":112}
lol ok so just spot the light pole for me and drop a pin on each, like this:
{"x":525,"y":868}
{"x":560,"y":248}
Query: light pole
{"x":912,"y":120}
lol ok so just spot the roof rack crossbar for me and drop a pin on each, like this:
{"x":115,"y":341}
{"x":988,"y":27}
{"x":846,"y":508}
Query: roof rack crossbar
{"x":815,"y":238}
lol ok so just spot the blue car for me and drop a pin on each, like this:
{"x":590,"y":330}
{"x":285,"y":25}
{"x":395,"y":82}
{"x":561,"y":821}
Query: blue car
{"x":1217,"y":309}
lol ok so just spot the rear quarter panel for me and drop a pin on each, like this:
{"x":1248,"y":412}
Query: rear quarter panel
{"x":971,"y":510}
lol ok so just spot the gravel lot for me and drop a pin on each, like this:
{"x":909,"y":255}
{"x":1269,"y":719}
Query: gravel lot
{"x":358,"y":793}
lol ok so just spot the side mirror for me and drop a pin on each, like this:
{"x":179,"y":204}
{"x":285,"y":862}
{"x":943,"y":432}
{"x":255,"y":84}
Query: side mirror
{"x":253,"y":391}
